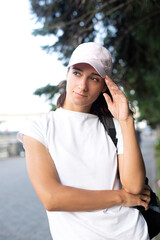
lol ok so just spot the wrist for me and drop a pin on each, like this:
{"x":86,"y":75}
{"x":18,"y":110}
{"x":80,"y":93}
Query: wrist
{"x":127,"y":122}
{"x":113,"y":198}
{"x":122,"y":197}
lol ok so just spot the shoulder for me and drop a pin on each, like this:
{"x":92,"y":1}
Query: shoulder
{"x":41,"y":123}
{"x":37,"y":128}
{"x":110,"y":123}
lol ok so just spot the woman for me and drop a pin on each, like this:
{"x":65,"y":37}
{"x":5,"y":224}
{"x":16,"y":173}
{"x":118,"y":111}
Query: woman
{"x":72,"y":162}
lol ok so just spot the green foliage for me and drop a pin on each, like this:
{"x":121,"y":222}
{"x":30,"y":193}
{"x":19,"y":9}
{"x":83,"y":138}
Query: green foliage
{"x":157,"y":146}
{"x":128,"y":28}
{"x":48,"y":90}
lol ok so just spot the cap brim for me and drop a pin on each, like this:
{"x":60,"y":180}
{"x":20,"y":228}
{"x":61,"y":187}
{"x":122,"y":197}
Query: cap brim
{"x":94,"y":63}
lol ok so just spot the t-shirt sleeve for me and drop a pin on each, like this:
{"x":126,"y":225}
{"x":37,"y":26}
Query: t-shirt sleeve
{"x":119,"y":137}
{"x":36,"y":129}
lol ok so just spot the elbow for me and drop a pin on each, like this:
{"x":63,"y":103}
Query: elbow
{"x":52,"y":198}
{"x":50,"y":203}
{"x":133,"y":190}
{"x":138,"y":189}
{"x":48,"y":206}
{"x":53,"y":201}
{"x":134,"y":187}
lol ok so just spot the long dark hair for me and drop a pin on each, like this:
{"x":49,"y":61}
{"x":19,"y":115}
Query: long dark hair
{"x":99,"y":107}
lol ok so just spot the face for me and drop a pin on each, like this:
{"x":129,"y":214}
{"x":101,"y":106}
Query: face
{"x":84,"y":85}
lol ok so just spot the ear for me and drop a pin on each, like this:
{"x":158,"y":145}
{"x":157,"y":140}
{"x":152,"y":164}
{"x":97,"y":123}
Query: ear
{"x":104,"y":88}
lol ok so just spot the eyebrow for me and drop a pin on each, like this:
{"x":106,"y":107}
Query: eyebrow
{"x":77,"y":69}
{"x":82,"y":71}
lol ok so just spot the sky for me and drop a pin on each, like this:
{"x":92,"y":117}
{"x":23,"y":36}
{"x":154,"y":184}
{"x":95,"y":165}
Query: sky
{"x":24,"y":65}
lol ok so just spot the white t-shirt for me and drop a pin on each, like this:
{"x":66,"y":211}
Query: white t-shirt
{"x":85,"y":157}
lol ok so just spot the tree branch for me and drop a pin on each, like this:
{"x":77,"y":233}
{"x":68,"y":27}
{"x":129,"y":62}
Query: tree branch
{"x":146,"y":18}
{"x":89,"y":15}
{"x":99,"y":20}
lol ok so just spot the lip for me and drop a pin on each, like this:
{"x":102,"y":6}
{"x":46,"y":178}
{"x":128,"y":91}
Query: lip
{"x":79,"y":94}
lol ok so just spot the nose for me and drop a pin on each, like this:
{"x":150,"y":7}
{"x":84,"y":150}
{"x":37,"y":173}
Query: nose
{"x":83,"y":84}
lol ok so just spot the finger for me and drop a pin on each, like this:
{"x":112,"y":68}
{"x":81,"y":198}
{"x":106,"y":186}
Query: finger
{"x":146,"y":192}
{"x":110,"y":81}
{"x":142,"y":203}
{"x":145,"y":205}
{"x":111,"y":85}
{"x":147,"y":187}
{"x":113,"y":88}
{"x":108,"y":99}
{"x":145,"y":198}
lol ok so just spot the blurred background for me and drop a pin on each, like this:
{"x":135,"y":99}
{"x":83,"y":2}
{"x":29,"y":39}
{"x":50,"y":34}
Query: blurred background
{"x":37,"y":39}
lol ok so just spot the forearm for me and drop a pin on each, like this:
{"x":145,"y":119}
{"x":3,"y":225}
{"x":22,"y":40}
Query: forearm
{"x":65,"y":198}
{"x":58,"y":197}
{"x":70,"y":199}
{"x":132,"y":169}
{"x":55,"y":196}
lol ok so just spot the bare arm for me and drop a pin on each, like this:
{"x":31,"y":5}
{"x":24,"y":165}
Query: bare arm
{"x":57,"y":197}
{"x":131,"y":165}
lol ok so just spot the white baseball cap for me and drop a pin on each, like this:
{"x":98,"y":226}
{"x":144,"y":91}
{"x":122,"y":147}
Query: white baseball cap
{"x":95,"y":55}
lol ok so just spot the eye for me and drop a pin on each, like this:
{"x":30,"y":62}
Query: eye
{"x":76,"y":73}
{"x":95,"y":79}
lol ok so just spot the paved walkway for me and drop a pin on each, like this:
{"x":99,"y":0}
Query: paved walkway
{"x":22,"y":216}
{"x":147,"y":148}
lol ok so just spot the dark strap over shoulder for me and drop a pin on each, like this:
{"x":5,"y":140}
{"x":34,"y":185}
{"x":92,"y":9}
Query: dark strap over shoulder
{"x":109,"y":126}
{"x":152,"y":215}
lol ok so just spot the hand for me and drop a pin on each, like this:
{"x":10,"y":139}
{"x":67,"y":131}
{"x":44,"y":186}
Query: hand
{"x":119,"y":106}
{"x":131,"y":200}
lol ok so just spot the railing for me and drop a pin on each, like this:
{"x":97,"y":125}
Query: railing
{"x":10,"y":147}
{"x":4,"y":150}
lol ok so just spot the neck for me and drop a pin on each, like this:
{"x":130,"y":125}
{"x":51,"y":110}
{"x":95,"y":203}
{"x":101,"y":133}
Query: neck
{"x":68,"y":106}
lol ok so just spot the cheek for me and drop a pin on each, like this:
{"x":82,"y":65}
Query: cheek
{"x":97,"y":95}
{"x":70,"y":85}
{"x":97,"y":90}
